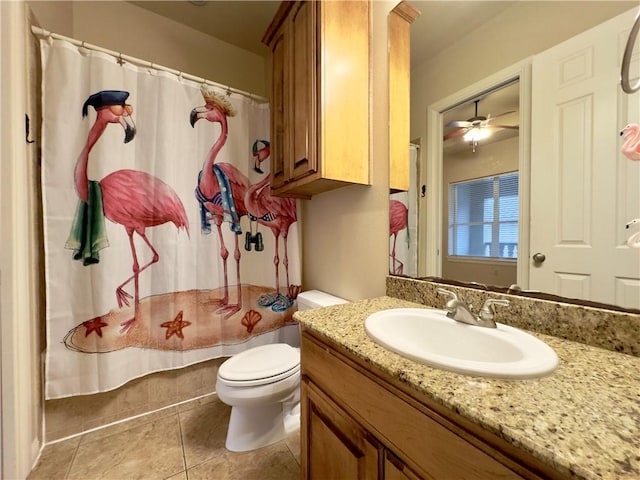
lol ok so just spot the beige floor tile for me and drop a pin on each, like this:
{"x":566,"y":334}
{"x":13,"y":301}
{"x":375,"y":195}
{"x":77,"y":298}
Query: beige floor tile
{"x":183,"y":407}
{"x":150,"y":447}
{"x":178,"y":476}
{"x":127,"y":425}
{"x":204,"y":429}
{"x":152,"y":450}
{"x":293,"y":443}
{"x":55,"y":460}
{"x":270,"y":463}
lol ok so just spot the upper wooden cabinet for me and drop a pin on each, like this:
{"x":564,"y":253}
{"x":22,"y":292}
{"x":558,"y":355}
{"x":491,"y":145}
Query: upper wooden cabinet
{"x":319,"y":97}
{"x":400,"y":20}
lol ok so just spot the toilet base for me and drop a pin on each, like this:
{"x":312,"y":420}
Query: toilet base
{"x":255,"y":427}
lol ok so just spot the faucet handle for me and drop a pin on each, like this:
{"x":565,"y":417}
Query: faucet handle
{"x":452,"y":303}
{"x":448,"y":292}
{"x":486,"y":312}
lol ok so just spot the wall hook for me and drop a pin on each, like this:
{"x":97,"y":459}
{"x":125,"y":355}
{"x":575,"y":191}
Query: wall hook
{"x":27,"y":128}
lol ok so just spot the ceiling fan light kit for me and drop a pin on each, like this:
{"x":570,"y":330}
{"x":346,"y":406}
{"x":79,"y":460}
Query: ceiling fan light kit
{"x":476,"y":134}
{"x":476,"y":128}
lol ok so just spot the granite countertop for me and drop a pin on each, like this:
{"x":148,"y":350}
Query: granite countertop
{"x":583,"y":419}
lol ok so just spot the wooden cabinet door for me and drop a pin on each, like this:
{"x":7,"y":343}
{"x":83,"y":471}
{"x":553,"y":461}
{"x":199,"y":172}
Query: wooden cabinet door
{"x":279,"y":105}
{"x":395,"y":469}
{"x":333,"y":445}
{"x":303,"y":117}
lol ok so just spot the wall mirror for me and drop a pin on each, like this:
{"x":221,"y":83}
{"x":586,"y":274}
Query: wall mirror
{"x":479,"y":74}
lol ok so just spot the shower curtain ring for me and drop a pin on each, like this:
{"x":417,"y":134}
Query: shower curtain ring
{"x":228,"y":91}
{"x":120,"y":61}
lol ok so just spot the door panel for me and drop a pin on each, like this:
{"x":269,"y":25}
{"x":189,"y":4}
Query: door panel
{"x":583,"y":189}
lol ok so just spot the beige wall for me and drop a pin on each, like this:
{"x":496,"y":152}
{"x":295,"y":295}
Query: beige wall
{"x":20,"y":414}
{"x":132,"y":30}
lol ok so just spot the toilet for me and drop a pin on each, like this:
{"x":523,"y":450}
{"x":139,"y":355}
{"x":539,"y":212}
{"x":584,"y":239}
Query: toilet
{"x":262,"y":386}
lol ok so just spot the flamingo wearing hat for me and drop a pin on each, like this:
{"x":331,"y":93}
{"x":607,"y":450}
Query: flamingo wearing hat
{"x":220,"y":191}
{"x":131,"y":198}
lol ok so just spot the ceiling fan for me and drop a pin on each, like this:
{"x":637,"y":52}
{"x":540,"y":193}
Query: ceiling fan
{"x":476,"y":126}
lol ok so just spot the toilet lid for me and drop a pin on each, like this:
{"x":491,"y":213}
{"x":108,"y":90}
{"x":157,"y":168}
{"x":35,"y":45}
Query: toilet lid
{"x":263,"y":364}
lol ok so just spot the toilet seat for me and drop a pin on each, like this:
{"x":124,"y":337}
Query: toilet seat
{"x":260,"y":365}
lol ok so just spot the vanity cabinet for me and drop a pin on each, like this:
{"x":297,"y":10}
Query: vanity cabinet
{"x":357,"y":424}
{"x":319,"y":96}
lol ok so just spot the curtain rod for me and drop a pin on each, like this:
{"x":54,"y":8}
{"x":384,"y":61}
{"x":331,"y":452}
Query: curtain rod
{"x":45,"y":34}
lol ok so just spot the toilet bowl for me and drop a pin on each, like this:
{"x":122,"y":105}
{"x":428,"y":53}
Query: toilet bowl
{"x":262,"y":386}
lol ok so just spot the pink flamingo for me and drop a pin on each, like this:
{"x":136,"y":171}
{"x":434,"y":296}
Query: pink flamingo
{"x":220,"y":191}
{"x":398,"y":213}
{"x":631,"y":147}
{"x":133,"y":199}
{"x":278,"y":214}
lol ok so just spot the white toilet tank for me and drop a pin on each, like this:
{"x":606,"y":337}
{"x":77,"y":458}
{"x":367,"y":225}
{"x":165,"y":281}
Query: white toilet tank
{"x":316,"y":299}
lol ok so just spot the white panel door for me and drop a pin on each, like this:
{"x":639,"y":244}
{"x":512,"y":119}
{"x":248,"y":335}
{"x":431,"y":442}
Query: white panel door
{"x":583,"y":190}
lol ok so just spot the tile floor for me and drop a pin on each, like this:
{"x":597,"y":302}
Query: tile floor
{"x":185,"y":442}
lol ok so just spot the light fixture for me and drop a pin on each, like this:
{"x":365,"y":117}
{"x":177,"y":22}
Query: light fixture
{"x":476,"y":134}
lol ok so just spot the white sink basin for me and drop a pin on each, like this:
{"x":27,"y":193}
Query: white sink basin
{"x":428,"y":336}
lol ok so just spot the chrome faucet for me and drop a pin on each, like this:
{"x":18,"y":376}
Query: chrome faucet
{"x":461,"y":312}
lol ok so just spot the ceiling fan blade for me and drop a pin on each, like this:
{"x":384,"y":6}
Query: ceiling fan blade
{"x":455,"y":133}
{"x":459,"y":124}
{"x":512,"y":127}
{"x":492,"y":117}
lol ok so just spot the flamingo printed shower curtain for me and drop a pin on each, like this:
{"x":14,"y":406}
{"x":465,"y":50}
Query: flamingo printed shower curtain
{"x":403,"y":224}
{"x":163,"y":244}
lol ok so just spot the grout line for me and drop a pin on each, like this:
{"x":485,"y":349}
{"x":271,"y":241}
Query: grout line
{"x":73,"y":459}
{"x":117,"y":422}
{"x":184,"y":456}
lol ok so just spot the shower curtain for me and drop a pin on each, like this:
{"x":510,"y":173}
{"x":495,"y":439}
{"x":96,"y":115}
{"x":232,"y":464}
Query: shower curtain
{"x":403,"y":224}
{"x":163,"y":245}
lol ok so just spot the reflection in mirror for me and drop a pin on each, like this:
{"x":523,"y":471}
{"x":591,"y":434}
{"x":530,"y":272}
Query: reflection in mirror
{"x":480,"y":188}
{"x":456,"y":46}
{"x":403,"y":223}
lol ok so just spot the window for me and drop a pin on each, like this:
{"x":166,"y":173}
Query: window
{"x":483,"y":217}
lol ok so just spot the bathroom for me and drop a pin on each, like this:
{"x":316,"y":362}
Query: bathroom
{"x":356,"y":270}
